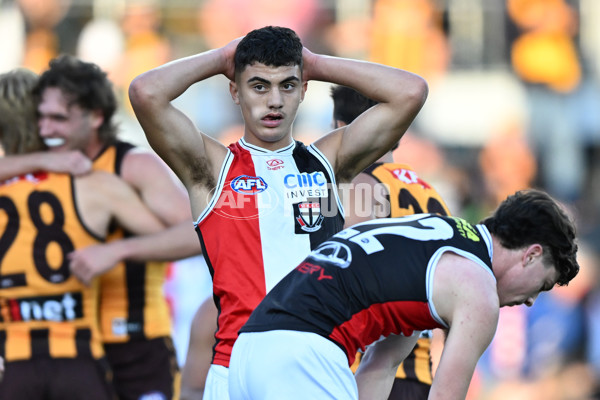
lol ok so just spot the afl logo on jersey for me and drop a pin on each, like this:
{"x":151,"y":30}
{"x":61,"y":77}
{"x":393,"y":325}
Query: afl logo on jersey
{"x":246,"y":184}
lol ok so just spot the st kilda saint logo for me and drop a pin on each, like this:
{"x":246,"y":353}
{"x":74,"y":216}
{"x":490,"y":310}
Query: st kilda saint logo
{"x":308,"y":215}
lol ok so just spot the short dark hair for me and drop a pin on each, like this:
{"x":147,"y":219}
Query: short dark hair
{"x":88,"y":87}
{"x":272,"y":45}
{"x":348,"y":103}
{"x":532,"y":216}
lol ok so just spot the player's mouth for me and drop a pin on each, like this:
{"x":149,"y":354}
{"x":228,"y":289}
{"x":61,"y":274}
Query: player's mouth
{"x":272,"y":120}
{"x":54,"y":142}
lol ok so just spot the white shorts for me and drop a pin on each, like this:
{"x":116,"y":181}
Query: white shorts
{"x":289,"y":365}
{"x":217,"y":383}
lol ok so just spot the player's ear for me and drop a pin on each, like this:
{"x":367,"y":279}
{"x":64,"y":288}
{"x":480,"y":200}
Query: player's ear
{"x":304,"y":87}
{"x":531,"y":253}
{"x":97,"y":118}
{"x":233,"y":90}
{"x":338,"y":124}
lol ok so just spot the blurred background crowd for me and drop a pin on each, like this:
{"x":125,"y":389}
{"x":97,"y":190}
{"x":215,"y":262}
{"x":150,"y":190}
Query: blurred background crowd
{"x":514,"y":102}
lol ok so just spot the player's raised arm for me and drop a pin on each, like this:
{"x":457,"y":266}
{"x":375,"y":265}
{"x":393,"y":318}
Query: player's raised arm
{"x":400,"y":95}
{"x":169,"y":131}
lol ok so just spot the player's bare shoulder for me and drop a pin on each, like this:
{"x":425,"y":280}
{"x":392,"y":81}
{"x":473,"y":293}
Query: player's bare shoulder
{"x":101,"y":185}
{"x":461,"y":282}
{"x":96,"y":195}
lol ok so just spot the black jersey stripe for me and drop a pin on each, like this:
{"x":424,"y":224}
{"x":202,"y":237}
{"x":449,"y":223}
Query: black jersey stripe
{"x":135,"y":274}
{"x":40,"y":343}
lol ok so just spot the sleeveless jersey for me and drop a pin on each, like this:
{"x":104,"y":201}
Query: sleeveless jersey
{"x":409,"y":194}
{"x":371,"y":280}
{"x":132,"y":302}
{"x":269,"y":209}
{"x":45,"y":311}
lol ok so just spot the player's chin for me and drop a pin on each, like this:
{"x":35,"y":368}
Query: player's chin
{"x":273,"y":135}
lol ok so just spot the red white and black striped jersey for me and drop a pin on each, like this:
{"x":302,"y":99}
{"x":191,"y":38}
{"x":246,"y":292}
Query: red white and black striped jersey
{"x":269,"y":209}
{"x":371,"y":280}
{"x":408,"y":194}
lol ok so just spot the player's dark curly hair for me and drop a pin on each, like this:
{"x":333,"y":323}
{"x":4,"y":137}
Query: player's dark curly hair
{"x":272,"y":45}
{"x":349,"y":104}
{"x":532,"y":216}
{"x":88,"y":87}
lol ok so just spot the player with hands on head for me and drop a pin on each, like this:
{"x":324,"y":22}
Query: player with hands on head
{"x":266,"y":190}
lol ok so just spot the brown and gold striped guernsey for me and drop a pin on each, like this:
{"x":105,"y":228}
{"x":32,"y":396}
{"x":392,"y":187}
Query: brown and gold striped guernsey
{"x":131,"y":295}
{"x":44,"y":310}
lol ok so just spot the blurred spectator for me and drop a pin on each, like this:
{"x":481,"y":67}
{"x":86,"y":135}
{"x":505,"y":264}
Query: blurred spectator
{"x":102,"y":42}
{"x":408,"y":34}
{"x":592,"y":312}
{"x":545,"y":57}
{"x":12,"y":25}
{"x":221,"y":20}
{"x":41,"y":42}
{"x":145,"y":46}
{"x":507,"y":164}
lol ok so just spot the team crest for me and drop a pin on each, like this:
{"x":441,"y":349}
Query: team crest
{"x":308,"y":215}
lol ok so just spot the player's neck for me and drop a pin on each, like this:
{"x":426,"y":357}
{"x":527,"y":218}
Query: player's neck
{"x":386,"y":158}
{"x":93,"y":148}
{"x":271,"y":146}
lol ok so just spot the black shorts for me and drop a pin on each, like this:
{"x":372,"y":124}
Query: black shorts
{"x":57,"y":379}
{"x":144,"y":367}
{"x":407,"y":389}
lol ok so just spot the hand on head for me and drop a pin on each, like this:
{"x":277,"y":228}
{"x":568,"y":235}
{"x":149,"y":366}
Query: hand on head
{"x":228,"y":52}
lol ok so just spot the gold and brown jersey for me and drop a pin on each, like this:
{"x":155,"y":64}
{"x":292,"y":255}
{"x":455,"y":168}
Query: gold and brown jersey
{"x":132,"y":302}
{"x":45,"y":311}
{"x":409,"y":194}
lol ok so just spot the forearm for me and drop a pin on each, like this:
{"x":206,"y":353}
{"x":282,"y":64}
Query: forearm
{"x":11,"y":166}
{"x":379,"y":82}
{"x":375,"y":374}
{"x":188,"y":393}
{"x":171,"y":80}
{"x":177,"y":242}
{"x":70,"y":162}
{"x":374,"y":380}
{"x":169,"y":131}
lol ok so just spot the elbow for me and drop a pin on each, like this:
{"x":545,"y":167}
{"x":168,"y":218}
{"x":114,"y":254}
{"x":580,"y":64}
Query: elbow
{"x":143,"y":91}
{"x":417,"y":92}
